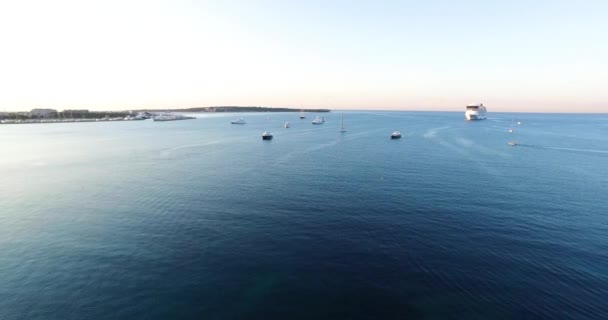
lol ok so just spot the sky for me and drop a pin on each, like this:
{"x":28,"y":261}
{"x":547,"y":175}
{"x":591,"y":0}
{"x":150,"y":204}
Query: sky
{"x":536,"y":56}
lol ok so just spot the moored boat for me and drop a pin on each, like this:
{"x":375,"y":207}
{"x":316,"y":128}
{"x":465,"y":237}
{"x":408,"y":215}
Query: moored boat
{"x":512,"y":141}
{"x":318,"y":120}
{"x":266,"y":135}
{"x":171,"y":117}
{"x":342,"y":129}
{"x":238,"y":121}
{"x":396,"y":135}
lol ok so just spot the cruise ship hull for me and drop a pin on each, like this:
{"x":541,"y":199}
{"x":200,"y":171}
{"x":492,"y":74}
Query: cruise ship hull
{"x":475,"y":112}
{"x":474,"y":116}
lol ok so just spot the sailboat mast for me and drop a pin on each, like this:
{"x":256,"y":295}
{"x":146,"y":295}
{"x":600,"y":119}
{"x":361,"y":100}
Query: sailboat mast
{"x":512,"y":141}
{"x":342,"y":123}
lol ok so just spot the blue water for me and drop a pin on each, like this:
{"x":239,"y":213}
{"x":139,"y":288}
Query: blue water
{"x":201,"y":219}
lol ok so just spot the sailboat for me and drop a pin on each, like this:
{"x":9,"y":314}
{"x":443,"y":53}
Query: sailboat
{"x":342,"y":129}
{"x":302,"y":114}
{"x":512,"y":142}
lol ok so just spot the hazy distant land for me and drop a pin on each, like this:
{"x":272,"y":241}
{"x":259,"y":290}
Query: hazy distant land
{"x":84,"y":115}
{"x":235,"y":109}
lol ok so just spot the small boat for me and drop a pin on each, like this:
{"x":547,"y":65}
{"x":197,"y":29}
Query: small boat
{"x":512,"y":142}
{"x":318,"y":120}
{"x":238,"y":121}
{"x":396,"y":135}
{"x":302,"y":114}
{"x":286,"y":125}
{"x":266,"y":135}
{"x":342,"y":129}
{"x":169,"y":117}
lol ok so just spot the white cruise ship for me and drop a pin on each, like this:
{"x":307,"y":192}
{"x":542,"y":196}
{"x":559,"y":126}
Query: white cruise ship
{"x":475,"y":112}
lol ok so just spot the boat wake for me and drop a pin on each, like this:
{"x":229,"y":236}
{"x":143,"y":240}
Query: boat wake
{"x":431,"y":133}
{"x":595,"y":151}
{"x":168,"y":152}
{"x":577,"y":150}
{"x":351,"y":136}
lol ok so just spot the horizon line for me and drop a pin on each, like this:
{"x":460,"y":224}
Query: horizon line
{"x":300,"y":108}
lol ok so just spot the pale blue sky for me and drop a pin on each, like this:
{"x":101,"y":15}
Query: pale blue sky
{"x":410,"y":55}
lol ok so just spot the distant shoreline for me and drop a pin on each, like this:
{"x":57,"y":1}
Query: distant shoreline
{"x":34,"y":121}
{"x":233,"y":109}
{"x":76,"y":116}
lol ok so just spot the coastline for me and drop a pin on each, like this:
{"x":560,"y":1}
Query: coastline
{"x":54,"y":116}
{"x":33,"y":121}
{"x":235,"y":109}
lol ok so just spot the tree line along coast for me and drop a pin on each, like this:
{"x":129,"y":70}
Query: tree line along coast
{"x":46,"y":115}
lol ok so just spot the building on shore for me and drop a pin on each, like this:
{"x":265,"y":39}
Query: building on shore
{"x":75,"y":113}
{"x":43,"y":113}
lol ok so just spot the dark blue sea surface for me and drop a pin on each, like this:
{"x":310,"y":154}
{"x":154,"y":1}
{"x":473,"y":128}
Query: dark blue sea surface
{"x":201,"y":219}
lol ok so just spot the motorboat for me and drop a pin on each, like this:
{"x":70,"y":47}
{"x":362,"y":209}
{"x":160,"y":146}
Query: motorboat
{"x":238,"y":121}
{"x":171,"y":117}
{"x":266,"y":135}
{"x":318,"y":120}
{"x":396,"y":135}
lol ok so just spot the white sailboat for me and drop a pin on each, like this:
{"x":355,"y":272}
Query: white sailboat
{"x":512,"y":142}
{"x":302,"y":114}
{"x":342,"y":129}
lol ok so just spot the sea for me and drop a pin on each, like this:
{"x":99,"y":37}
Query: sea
{"x":201,"y":219}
